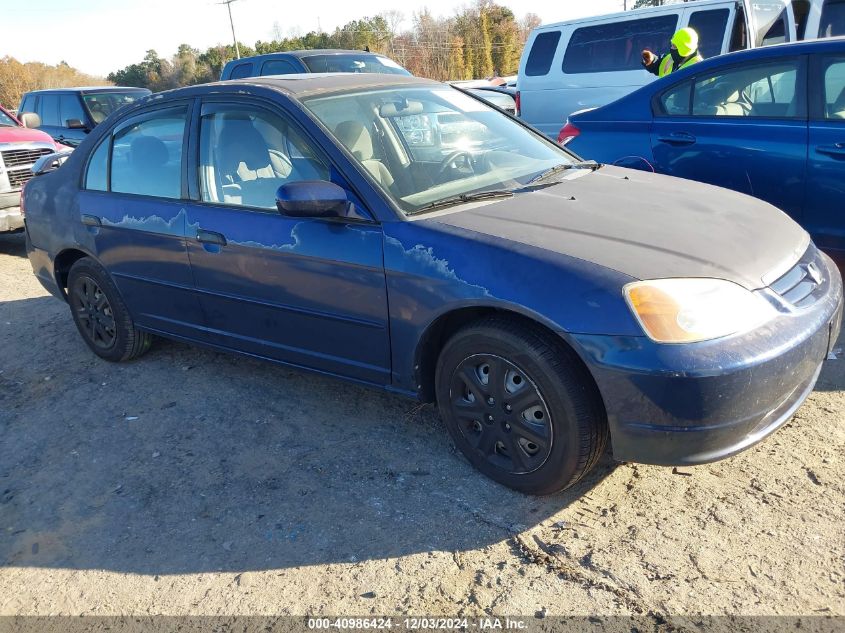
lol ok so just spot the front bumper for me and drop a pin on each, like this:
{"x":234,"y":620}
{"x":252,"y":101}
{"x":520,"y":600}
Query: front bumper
{"x":11,"y":218}
{"x":690,"y":404}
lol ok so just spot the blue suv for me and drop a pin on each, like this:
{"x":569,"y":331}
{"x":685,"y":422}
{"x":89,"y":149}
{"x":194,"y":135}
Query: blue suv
{"x":311,"y":61}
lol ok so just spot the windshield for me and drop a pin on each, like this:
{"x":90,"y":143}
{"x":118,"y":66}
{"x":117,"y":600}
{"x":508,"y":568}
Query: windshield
{"x":353,"y":63}
{"x":428,"y":144}
{"x":101,"y":104}
{"x":6,"y":120}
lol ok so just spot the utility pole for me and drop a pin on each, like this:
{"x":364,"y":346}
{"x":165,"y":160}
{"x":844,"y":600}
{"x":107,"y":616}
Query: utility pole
{"x":228,"y":4}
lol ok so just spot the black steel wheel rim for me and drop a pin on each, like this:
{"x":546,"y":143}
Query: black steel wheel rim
{"x":501,"y":413}
{"x":94,"y":312}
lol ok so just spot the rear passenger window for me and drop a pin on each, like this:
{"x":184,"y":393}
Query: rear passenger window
{"x":834,"y":89}
{"x":767,"y":90}
{"x":241,"y":71}
{"x":711,"y":27}
{"x":96,"y":176}
{"x":49,"y":107}
{"x":617,"y":46}
{"x":542,"y":53}
{"x":147,"y":155}
{"x":833,"y":19}
{"x":277,"y":67}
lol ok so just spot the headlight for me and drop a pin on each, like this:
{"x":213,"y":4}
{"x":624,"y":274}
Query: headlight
{"x":690,"y":310}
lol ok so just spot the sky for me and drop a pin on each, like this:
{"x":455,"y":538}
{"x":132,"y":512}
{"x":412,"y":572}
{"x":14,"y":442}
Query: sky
{"x":100,"y":36}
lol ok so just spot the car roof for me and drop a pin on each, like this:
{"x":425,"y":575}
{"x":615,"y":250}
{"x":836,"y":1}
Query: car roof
{"x":303,"y":85}
{"x":84,"y":89}
{"x":305,"y":53}
{"x":627,"y":15}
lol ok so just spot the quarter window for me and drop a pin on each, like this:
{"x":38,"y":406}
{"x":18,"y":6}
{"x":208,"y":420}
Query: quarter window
{"x":241,"y":71}
{"x":542,"y":53}
{"x":617,"y":46}
{"x":834,"y":90}
{"x":247,"y":154}
{"x":147,"y":155}
{"x":676,"y":101}
{"x":96,"y":176}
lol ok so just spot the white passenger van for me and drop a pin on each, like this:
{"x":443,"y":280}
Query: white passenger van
{"x":587,"y":63}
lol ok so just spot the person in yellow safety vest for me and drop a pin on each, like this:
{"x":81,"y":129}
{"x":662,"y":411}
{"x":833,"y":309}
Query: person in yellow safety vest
{"x":684,"y":53}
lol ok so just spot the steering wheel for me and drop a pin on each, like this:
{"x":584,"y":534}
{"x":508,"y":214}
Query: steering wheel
{"x":451,"y":158}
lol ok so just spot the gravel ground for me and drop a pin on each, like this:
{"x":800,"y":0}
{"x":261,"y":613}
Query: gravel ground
{"x":192,"y":482}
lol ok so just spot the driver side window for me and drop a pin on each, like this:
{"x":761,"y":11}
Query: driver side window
{"x":247,"y":153}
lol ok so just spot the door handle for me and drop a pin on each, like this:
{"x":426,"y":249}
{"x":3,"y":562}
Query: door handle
{"x":677,"y":138}
{"x":211,"y":237}
{"x":91,"y":220}
{"x":832,"y":150}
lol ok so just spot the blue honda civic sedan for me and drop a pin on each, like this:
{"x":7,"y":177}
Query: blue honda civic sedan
{"x":401,"y":233}
{"x":769,"y":122}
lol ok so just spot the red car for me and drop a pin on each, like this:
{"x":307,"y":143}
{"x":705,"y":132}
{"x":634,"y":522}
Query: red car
{"x":20,"y":147}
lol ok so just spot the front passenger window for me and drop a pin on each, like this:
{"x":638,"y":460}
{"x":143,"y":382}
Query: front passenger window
{"x":247,"y":154}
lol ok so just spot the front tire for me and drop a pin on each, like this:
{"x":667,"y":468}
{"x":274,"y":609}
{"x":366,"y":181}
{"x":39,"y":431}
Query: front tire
{"x":520,"y":405}
{"x":101,"y":315}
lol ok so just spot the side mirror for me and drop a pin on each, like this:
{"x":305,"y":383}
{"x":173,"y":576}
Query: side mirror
{"x":75,"y":124}
{"x":312,"y":199}
{"x":30,"y":120}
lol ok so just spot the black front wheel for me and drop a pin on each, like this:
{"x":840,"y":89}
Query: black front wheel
{"x":100,"y":314}
{"x":520,"y":406}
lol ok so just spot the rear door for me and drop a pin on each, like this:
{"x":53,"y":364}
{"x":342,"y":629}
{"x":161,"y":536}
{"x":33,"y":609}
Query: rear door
{"x":47,"y":108}
{"x":742,"y":127}
{"x":824,"y":217}
{"x":132,"y":205}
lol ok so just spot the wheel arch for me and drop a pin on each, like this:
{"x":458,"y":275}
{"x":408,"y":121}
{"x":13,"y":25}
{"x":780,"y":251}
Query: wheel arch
{"x":63,"y":262}
{"x":438,"y":332}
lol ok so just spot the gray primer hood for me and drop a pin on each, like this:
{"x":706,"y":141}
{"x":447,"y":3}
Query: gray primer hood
{"x":647,"y":226}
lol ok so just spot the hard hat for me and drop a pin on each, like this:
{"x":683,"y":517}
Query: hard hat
{"x":686,"y":41}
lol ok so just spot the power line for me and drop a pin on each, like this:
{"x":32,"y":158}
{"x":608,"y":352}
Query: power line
{"x":228,"y":4}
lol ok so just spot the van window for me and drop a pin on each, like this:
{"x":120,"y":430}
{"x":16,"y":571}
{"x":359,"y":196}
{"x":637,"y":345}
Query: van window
{"x":542,"y":53}
{"x":710,"y":26}
{"x":278,"y":67}
{"x":241,"y":71}
{"x":770,"y":17}
{"x":833,"y":19}
{"x":739,"y":35}
{"x":800,"y":9}
{"x":617,"y":45}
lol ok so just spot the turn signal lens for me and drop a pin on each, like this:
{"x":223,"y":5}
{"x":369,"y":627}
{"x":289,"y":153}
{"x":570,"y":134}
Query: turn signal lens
{"x":567,"y":133}
{"x":691,"y":310}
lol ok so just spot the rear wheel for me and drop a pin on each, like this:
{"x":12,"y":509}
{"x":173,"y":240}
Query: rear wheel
{"x":520,"y":406}
{"x":100,"y":314}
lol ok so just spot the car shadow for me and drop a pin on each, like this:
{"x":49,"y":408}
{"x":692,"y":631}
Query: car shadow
{"x":189,"y":460}
{"x":13,"y":244}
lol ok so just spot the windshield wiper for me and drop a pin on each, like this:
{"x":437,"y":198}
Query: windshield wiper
{"x":463,"y":198}
{"x":584,"y":164}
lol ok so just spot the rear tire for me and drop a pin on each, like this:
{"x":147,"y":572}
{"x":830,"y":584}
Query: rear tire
{"x":101,"y":315}
{"x":520,"y":405}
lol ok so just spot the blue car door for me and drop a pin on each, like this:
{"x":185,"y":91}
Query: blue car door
{"x":133,"y":212}
{"x":306,"y":291}
{"x":823,"y":212}
{"x":743,"y":127}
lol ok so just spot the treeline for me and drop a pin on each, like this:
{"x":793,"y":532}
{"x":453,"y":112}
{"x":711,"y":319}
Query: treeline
{"x":480,"y":41}
{"x":17,"y":78}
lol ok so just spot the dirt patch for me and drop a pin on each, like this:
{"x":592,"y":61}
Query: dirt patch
{"x":193,"y":482}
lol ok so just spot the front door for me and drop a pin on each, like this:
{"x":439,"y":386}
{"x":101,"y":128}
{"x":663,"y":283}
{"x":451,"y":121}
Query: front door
{"x":306,"y":291}
{"x":743,"y":128}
